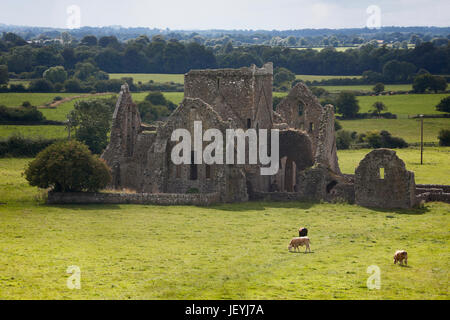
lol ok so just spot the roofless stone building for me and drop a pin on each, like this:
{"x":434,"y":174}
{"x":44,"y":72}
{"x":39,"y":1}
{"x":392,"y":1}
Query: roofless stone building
{"x":140,"y":155}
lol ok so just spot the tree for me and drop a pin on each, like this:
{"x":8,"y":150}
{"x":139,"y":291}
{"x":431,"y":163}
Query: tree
{"x":108,"y":41}
{"x":444,"y":105}
{"x":89,"y":41}
{"x":427,"y":81}
{"x":156,"y":98}
{"x":73,"y":86}
{"x":84,"y":70}
{"x":343,"y":140}
{"x":422,"y":82}
{"x":68,"y":167}
{"x":283,"y":76}
{"x":398,"y":71}
{"x":444,"y":138}
{"x":379,"y":88}
{"x":438,"y":84}
{"x":55,"y":74}
{"x":347,"y":105}
{"x":4,"y":76}
{"x":91,"y":120}
{"x":378,"y":107}
{"x":41,"y":85}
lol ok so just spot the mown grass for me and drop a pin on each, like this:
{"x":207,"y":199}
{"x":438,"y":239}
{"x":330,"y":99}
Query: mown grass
{"x":404,"y":105}
{"x":435,"y":168}
{"x":367,"y":88}
{"x":13,"y":99}
{"x":408,"y":129}
{"x":34,"y":132}
{"x":146,"y":77}
{"x":306,"y":77}
{"x":236,"y":251}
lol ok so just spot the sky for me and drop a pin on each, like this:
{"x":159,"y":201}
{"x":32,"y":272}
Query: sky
{"x":225,"y":14}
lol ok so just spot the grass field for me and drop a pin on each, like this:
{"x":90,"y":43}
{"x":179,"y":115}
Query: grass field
{"x":367,"y":88}
{"x":435,"y":168}
{"x":46,"y":132}
{"x":236,"y":251}
{"x":404,"y":105}
{"x":146,"y":77}
{"x":14,"y":99}
{"x":408,"y":129}
{"x":179,"y":78}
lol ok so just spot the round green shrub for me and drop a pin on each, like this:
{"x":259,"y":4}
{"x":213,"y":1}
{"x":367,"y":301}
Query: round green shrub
{"x":68,"y":167}
{"x":444,"y":138}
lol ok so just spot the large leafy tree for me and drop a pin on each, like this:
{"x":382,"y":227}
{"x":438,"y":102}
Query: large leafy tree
{"x":55,"y":74}
{"x":347,"y":104}
{"x":68,"y":167}
{"x":91,"y":120}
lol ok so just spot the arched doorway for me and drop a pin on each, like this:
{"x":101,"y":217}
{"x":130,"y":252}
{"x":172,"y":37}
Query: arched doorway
{"x":289,"y":175}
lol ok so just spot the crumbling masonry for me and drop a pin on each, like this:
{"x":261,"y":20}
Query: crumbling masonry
{"x":139,"y":155}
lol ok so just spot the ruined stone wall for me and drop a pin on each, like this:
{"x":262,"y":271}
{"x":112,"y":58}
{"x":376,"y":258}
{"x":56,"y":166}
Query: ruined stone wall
{"x":244,"y":95}
{"x":326,"y":150}
{"x":395,"y":190}
{"x":205,"y":199}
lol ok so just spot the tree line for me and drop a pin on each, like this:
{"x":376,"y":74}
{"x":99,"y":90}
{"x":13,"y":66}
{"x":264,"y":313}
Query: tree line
{"x":157,"y":55}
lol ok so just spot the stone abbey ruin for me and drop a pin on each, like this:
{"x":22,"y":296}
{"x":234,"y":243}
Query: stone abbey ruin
{"x":140,"y":155}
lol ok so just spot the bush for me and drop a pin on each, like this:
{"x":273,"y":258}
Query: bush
{"x":25,"y":113}
{"x":444,"y":105}
{"x":55,"y":74}
{"x":193,"y":191}
{"x":378,"y":88}
{"x":344,"y":139}
{"x":68,"y":167}
{"x":156,"y":98}
{"x":73,"y":85}
{"x":41,"y":85}
{"x":384,"y":139}
{"x":444,"y":137}
{"x":347,"y":104}
{"x":18,"y":146}
{"x":92,"y":122}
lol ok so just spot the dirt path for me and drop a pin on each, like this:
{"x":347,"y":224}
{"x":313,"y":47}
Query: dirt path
{"x":68,"y":99}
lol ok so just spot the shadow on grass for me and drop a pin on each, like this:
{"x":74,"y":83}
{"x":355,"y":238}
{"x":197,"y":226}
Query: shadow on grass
{"x":85,"y":207}
{"x":412,"y":211}
{"x":260,"y":206}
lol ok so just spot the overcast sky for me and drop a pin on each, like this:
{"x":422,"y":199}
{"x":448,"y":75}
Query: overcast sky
{"x":226,"y":14}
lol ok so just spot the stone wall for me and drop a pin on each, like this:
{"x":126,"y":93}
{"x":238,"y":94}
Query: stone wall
{"x":137,"y":198}
{"x":396,"y":189}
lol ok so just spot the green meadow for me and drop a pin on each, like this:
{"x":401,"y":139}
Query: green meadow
{"x":408,"y":129}
{"x":404,"y":105}
{"x":435,"y":168}
{"x":34,"y":132}
{"x":367,"y":88}
{"x":228,"y":251}
{"x":146,"y":77}
{"x":13,"y":99}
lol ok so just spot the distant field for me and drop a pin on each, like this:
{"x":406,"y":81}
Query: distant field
{"x":434,"y":170}
{"x":368,"y":88}
{"x":14,"y":99}
{"x":45,"y":132}
{"x":146,"y":77}
{"x":404,"y":105}
{"x":179,"y":78}
{"x":408,"y":129}
{"x":306,"y":77}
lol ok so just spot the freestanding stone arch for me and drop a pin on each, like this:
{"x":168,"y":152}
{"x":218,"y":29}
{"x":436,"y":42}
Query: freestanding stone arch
{"x":382,"y":181}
